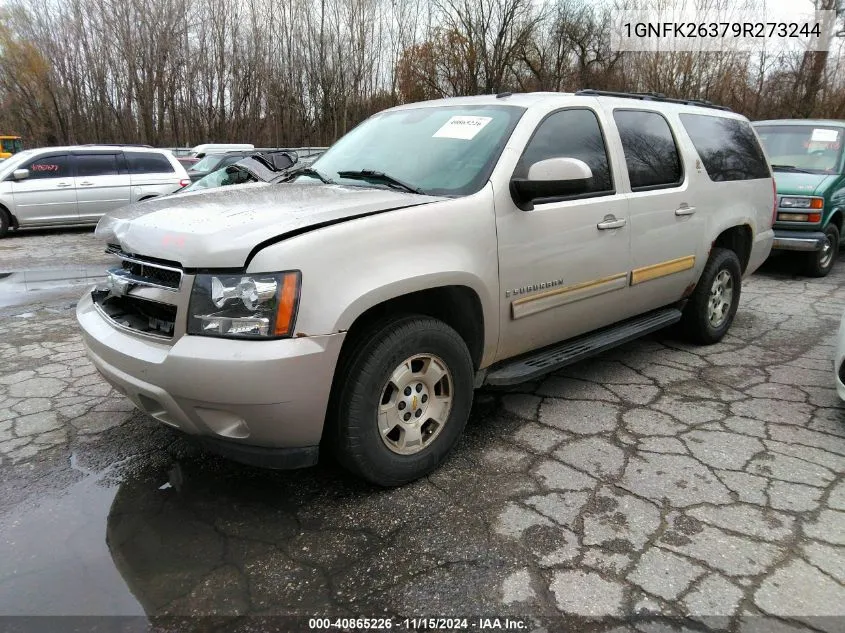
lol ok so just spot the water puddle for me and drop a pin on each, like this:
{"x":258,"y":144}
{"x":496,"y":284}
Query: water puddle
{"x":55,"y":557}
{"x":202,"y":536}
{"x":29,"y":286}
{"x":180,"y":533}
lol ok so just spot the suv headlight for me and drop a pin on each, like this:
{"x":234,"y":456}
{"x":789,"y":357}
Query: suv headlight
{"x":788,"y":202}
{"x":256,"y":306}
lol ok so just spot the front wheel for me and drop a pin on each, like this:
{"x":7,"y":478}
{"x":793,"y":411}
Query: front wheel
{"x":5,"y":222}
{"x":710,"y":311}
{"x":820,"y":263}
{"x":404,"y":402}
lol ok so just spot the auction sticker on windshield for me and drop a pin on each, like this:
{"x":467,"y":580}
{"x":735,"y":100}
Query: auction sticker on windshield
{"x":462,"y":127}
{"x":825,"y":136}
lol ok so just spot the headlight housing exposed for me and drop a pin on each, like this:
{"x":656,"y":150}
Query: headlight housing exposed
{"x":251,"y":306}
{"x":790,"y":202}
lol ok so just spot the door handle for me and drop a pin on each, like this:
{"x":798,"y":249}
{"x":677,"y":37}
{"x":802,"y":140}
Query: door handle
{"x":86,"y":184}
{"x":63,"y":185}
{"x":610,"y":222}
{"x":684,"y":210}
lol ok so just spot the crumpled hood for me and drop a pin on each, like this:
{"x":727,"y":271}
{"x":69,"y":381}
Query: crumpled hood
{"x":220,"y":227}
{"x":791,"y":184}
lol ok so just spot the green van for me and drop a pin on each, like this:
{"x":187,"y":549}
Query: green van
{"x":806,"y":157}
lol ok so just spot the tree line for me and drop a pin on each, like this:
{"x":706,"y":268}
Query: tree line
{"x":303,"y":72}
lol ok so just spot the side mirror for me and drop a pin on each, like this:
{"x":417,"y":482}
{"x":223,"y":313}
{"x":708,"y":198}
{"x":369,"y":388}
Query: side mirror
{"x":20,"y":174}
{"x":551,"y":178}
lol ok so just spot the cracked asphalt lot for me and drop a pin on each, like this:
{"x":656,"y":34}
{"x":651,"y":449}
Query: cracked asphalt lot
{"x":658,"y":479}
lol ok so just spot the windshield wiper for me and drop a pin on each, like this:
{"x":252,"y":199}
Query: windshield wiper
{"x":369,"y":174}
{"x":791,"y":168}
{"x":308,"y":171}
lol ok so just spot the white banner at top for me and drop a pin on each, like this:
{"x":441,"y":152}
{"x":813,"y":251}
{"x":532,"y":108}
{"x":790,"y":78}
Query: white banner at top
{"x":702,"y":26}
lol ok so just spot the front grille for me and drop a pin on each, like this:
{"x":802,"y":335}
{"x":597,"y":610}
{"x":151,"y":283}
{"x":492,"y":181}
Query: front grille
{"x":139,"y":295}
{"x":161,"y":276}
{"x":148,"y":271}
{"x":141,"y":315}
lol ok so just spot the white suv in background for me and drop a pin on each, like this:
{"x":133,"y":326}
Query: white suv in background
{"x":63,"y":186}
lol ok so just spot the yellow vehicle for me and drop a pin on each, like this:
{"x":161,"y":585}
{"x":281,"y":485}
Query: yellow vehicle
{"x":9,"y":145}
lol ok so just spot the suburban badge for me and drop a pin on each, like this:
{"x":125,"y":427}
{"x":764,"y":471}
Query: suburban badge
{"x":541,"y":286}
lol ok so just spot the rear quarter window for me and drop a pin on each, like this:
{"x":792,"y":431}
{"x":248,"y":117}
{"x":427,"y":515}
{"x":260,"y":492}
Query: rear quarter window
{"x":148,"y":163}
{"x":727,"y":147}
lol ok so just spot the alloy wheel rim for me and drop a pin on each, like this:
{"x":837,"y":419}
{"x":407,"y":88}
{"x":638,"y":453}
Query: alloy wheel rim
{"x":415,"y":404}
{"x":721,"y":298}
{"x":826,"y":252}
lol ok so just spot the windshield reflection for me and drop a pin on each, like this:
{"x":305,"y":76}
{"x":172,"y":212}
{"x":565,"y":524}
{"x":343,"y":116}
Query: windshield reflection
{"x":813,"y":149}
{"x":439,"y":151}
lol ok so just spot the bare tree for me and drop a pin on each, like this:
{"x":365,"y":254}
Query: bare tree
{"x":181,"y":72}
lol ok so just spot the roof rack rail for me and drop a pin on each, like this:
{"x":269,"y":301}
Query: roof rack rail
{"x":113,"y":145}
{"x":651,"y":96}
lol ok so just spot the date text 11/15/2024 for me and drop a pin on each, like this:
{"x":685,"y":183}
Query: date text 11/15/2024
{"x":419,"y":624}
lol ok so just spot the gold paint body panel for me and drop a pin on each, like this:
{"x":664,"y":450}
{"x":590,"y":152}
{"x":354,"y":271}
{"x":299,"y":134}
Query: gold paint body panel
{"x":526,"y":306}
{"x":561,"y":296}
{"x":655,"y":271}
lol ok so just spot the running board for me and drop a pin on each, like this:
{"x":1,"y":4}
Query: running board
{"x":550,"y":359}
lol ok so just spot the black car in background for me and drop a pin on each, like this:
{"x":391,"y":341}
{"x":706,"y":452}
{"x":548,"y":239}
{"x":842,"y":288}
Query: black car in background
{"x":270,"y":167}
{"x":217,"y":160}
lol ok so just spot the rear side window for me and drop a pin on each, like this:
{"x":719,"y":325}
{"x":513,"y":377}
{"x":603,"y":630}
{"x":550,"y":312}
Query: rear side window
{"x":49,"y":167}
{"x":148,"y":163}
{"x":727,"y":147}
{"x":570,"y":134}
{"x":650,"y":150}
{"x":96,"y":165}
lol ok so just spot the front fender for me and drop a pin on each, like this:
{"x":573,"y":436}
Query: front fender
{"x":350,"y":267}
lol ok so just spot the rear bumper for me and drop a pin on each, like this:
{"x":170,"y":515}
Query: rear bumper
{"x":760,"y":249}
{"x":798,"y":240}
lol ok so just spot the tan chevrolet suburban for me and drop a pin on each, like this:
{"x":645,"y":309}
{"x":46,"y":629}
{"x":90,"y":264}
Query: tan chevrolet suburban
{"x":435,"y":248}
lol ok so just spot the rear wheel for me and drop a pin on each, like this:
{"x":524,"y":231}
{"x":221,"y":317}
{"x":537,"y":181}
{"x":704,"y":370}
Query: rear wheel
{"x":404,"y":402}
{"x":820,"y":263}
{"x":711,"y":308}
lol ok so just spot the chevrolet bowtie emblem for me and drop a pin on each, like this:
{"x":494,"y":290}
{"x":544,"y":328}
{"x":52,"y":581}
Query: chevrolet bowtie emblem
{"x":117,"y":285}
{"x":414,"y":403}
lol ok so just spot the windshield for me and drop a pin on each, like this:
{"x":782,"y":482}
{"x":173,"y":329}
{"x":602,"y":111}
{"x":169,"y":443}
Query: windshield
{"x":438,"y":150}
{"x":231,"y":175}
{"x":11,"y":145}
{"x":208,"y":163}
{"x":817,"y":150}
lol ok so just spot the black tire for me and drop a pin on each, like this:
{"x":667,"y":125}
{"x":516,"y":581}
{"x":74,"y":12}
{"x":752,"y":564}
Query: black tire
{"x":820,"y":263}
{"x":353,"y":429}
{"x":5,"y":222}
{"x":696,"y":321}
